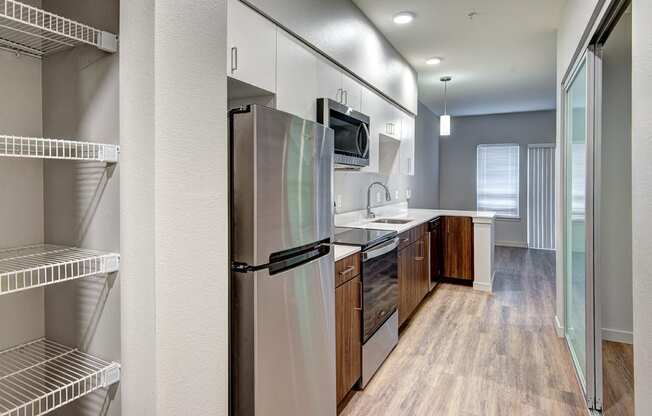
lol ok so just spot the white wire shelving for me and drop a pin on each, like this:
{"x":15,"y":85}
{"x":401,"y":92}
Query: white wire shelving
{"x":38,"y":33}
{"x":41,"y":376}
{"x":41,"y":265}
{"x":42,"y":148}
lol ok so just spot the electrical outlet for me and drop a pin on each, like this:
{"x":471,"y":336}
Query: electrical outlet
{"x":377,"y":197}
{"x":397,"y":195}
{"x":338,"y":204}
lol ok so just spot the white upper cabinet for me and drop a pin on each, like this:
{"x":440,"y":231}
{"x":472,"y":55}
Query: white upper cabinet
{"x":329,"y":80}
{"x":251,"y":47}
{"x":352,"y":91}
{"x":297,"y":87}
{"x":407,"y":144}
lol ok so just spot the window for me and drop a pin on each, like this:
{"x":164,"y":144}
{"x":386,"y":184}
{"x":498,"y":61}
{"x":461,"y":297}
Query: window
{"x":498,"y":179}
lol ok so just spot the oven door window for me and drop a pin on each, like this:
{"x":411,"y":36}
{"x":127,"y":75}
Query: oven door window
{"x":351,"y":135}
{"x":380,"y":291}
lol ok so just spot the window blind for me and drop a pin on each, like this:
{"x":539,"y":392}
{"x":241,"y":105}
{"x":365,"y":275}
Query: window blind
{"x":498,"y":179}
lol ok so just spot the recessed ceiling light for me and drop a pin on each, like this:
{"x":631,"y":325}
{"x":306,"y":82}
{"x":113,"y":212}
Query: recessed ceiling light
{"x":433,"y":61}
{"x":403,"y":18}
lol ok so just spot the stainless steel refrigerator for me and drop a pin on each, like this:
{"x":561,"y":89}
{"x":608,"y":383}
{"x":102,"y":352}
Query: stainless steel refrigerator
{"x":282,"y":281}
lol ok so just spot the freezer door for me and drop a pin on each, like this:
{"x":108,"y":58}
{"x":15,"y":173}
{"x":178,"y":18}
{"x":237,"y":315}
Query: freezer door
{"x":285,"y":346}
{"x":282,"y":169}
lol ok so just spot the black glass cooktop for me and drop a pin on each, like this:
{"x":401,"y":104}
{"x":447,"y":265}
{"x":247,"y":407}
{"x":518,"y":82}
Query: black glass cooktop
{"x":362,"y":237}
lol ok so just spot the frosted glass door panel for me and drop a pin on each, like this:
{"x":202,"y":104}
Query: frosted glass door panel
{"x":576,"y":185}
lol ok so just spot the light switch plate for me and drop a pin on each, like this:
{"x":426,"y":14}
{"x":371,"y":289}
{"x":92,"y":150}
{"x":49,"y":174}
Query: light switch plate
{"x":408,"y":193}
{"x":397,"y":195}
{"x":338,"y":202}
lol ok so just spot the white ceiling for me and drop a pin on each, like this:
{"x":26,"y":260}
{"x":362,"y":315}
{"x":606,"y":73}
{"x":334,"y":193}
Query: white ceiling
{"x":502,"y":60}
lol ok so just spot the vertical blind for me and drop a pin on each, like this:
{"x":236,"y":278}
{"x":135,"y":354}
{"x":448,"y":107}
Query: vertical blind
{"x":498,"y":179}
{"x":541,"y":197}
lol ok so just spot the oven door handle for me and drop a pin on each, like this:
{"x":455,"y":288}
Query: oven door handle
{"x":380,"y":250}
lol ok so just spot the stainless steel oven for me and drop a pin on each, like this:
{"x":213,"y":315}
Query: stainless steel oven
{"x":380,"y":286}
{"x":351,"y":132}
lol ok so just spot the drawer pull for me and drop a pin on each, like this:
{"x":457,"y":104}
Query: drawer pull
{"x":347,"y":270}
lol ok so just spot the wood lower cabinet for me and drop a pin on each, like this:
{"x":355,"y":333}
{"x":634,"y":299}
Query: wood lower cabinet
{"x":348,"y":331}
{"x":457,"y":247}
{"x":413,"y":277}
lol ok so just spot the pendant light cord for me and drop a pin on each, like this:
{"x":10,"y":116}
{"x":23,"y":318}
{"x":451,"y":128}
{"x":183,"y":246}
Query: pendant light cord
{"x":445,"y":95}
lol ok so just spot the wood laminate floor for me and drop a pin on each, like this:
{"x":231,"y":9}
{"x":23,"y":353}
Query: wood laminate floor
{"x":468,"y":353}
{"x":618,"y":380}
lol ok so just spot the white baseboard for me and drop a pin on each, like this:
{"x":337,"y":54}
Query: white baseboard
{"x":559,"y":328}
{"x":518,"y":244}
{"x":616,"y":335}
{"x":484,"y":286}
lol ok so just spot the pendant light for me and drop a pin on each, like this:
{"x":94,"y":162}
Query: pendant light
{"x":445,"y":119}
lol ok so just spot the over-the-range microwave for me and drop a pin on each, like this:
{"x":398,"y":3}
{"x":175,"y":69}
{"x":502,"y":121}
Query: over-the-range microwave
{"x":351,"y":132}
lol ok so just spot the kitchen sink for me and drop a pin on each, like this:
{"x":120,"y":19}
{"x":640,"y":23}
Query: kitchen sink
{"x":391,"y":221}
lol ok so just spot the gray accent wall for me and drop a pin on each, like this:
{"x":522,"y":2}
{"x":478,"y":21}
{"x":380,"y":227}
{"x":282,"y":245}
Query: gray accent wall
{"x":424,"y":185}
{"x":82,"y":199}
{"x":21,"y":184}
{"x":457,"y":161}
{"x":338,"y":29}
{"x":614,"y":239}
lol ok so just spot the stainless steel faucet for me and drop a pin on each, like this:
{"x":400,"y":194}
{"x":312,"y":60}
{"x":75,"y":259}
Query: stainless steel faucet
{"x":388,"y":197}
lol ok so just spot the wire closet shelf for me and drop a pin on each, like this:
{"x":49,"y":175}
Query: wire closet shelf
{"x":40,"y":148}
{"x":41,"y":376}
{"x":43,"y":265}
{"x":35,"y":32}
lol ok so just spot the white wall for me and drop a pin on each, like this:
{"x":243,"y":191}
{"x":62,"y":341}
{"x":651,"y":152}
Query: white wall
{"x":642,"y":201}
{"x":21,"y":184}
{"x":614,"y":260}
{"x":457,"y":161}
{"x":424,"y":185}
{"x":174,"y":207}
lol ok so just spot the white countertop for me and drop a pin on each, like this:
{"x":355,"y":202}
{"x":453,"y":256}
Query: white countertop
{"x":344,"y":251}
{"x":357,"y":219}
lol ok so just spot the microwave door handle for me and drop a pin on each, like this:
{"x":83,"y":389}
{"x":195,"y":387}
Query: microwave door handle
{"x":366,"y":150}
{"x":380,"y":251}
{"x":357,"y":140}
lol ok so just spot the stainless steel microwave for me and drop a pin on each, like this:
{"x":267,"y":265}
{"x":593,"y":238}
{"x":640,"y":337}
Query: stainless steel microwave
{"x":351,"y":132}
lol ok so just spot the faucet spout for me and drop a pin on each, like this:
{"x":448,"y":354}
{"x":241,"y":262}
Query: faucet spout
{"x":388,"y":197}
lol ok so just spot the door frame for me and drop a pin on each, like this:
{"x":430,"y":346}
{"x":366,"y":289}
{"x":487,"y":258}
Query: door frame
{"x":592,"y":385}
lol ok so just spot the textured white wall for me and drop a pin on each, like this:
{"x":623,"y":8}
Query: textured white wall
{"x":174,"y":209}
{"x":642,"y":201}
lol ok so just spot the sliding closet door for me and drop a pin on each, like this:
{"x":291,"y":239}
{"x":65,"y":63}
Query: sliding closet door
{"x":579,"y":138}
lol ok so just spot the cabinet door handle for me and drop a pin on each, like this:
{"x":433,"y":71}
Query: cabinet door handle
{"x":360,"y":308}
{"x":347,"y":270}
{"x":234,"y":59}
